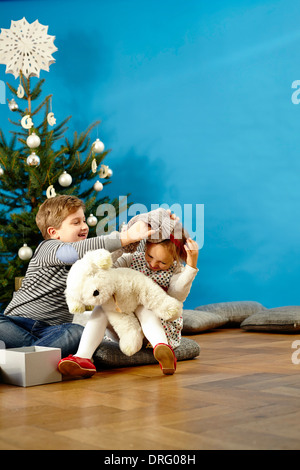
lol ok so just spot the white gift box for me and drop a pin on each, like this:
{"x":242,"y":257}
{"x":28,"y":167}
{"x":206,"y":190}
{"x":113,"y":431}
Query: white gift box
{"x":28,"y":366}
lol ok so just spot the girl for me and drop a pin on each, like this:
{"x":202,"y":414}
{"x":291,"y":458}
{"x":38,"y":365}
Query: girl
{"x":162,"y":262}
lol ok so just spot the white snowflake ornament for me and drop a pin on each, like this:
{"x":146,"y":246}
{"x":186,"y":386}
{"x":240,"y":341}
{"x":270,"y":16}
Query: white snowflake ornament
{"x":26,"y":47}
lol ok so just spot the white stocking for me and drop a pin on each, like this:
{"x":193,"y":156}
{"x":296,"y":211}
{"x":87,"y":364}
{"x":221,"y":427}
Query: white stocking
{"x":93,"y":334}
{"x":151,"y":326}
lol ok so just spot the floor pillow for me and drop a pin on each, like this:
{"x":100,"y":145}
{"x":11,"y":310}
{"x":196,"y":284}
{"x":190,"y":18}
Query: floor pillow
{"x":280,"y":319}
{"x":197,"y":321}
{"x":109,"y":355}
{"x":233,"y":312}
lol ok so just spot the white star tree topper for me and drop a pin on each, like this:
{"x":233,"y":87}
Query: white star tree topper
{"x":26,"y":47}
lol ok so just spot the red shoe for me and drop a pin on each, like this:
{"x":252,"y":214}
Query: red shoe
{"x":165,"y":355}
{"x":73,"y":366}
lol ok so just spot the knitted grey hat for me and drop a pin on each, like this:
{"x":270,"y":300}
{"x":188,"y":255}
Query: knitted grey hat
{"x":160,"y":221}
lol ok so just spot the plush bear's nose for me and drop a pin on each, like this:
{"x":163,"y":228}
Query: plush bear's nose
{"x":95,"y":293}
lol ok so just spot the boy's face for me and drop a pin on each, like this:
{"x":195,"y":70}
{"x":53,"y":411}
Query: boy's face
{"x":73,"y":229}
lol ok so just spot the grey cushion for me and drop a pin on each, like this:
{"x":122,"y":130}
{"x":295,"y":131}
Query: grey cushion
{"x":109,"y":355}
{"x":197,"y":321}
{"x":280,"y":319}
{"x":233,"y":312}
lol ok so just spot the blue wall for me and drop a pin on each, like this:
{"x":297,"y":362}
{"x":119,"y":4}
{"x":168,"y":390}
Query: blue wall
{"x":195,"y":103}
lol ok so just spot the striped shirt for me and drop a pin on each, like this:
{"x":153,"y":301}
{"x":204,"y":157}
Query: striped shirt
{"x":41,"y":296}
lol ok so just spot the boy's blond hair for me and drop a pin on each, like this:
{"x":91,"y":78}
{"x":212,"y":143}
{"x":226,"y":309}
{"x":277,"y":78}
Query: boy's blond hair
{"x":55,"y":210}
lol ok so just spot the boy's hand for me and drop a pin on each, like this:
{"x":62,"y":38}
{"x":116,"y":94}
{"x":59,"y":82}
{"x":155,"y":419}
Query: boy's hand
{"x":136,"y":233}
{"x":192,"y":251}
{"x":139,"y":231}
{"x":172,"y":216}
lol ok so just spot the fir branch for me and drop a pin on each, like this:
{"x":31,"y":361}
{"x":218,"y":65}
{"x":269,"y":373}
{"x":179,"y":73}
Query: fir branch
{"x":14,"y":123}
{"x":41,"y":105}
{"x":37,"y":89}
{"x":59,"y":127}
{"x":12,"y":89}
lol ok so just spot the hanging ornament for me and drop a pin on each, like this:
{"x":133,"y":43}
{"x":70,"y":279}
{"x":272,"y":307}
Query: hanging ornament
{"x":26,"y":122}
{"x":13,"y":105}
{"x":103,"y":173}
{"x":109,"y":173}
{"x":65,"y":179}
{"x":25,"y":252}
{"x":33,"y":141}
{"x":27,"y":47}
{"x":1,"y":171}
{"x":92,"y":220}
{"x":94,"y":165}
{"x":50,"y":191}
{"x":20,"y":91}
{"x":33,"y":160}
{"x":51,"y":119}
{"x":98,"y":146}
{"x":98,"y":186}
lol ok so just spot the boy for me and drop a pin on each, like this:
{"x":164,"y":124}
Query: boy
{"x":38,"y":313}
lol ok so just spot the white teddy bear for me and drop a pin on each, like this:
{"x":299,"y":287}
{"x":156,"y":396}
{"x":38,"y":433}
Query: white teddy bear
{"x":93,"y":281}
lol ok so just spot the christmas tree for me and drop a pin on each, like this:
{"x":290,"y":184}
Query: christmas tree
{"x":39,"y":161}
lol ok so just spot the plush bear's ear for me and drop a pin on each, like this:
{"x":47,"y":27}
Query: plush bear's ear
{"x":103,"y":259}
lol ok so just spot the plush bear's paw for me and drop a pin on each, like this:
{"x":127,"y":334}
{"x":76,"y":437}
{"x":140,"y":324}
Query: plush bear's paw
{"x":76,"y":307}
{"x":171,"y":312}
{"x":131,"y":344}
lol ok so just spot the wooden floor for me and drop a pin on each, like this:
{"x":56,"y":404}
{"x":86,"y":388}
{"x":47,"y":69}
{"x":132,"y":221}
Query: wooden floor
{"x":242,"y":392}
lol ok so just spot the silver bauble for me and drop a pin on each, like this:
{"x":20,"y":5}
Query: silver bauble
{"x":65,"y":179}
{"x":98,"y":146}
{"x":98,"y":186}
{"x":92,"y":220}
{"x":25,"y":252}
{"x":33,"y":160}
{"x":33,"y":141}
{"x":13,"y":105}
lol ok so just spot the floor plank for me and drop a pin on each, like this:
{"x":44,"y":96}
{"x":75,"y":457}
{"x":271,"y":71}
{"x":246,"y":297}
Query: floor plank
{"x":242,"y":392}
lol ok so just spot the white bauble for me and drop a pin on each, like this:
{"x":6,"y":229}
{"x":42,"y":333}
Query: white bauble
{"x":98,"y":146}
{"x":1,"y":171}
{"x":33,"y":141}
{"x":25,"y":252}
{"x":33,"y":160}
{"x":92,"y":220}
{"x":98,"y":186}
{"x":65,"y":179}
{"x":109,"y":173}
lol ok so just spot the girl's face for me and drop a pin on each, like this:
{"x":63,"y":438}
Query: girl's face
{"x":158,"y":257}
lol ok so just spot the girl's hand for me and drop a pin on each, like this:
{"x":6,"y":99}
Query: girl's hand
{"x":136,"y":233}
{"x":192,"y":251}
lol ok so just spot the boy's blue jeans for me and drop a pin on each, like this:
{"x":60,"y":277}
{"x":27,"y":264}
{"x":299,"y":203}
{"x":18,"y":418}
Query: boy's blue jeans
{"x":17,"y":332}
